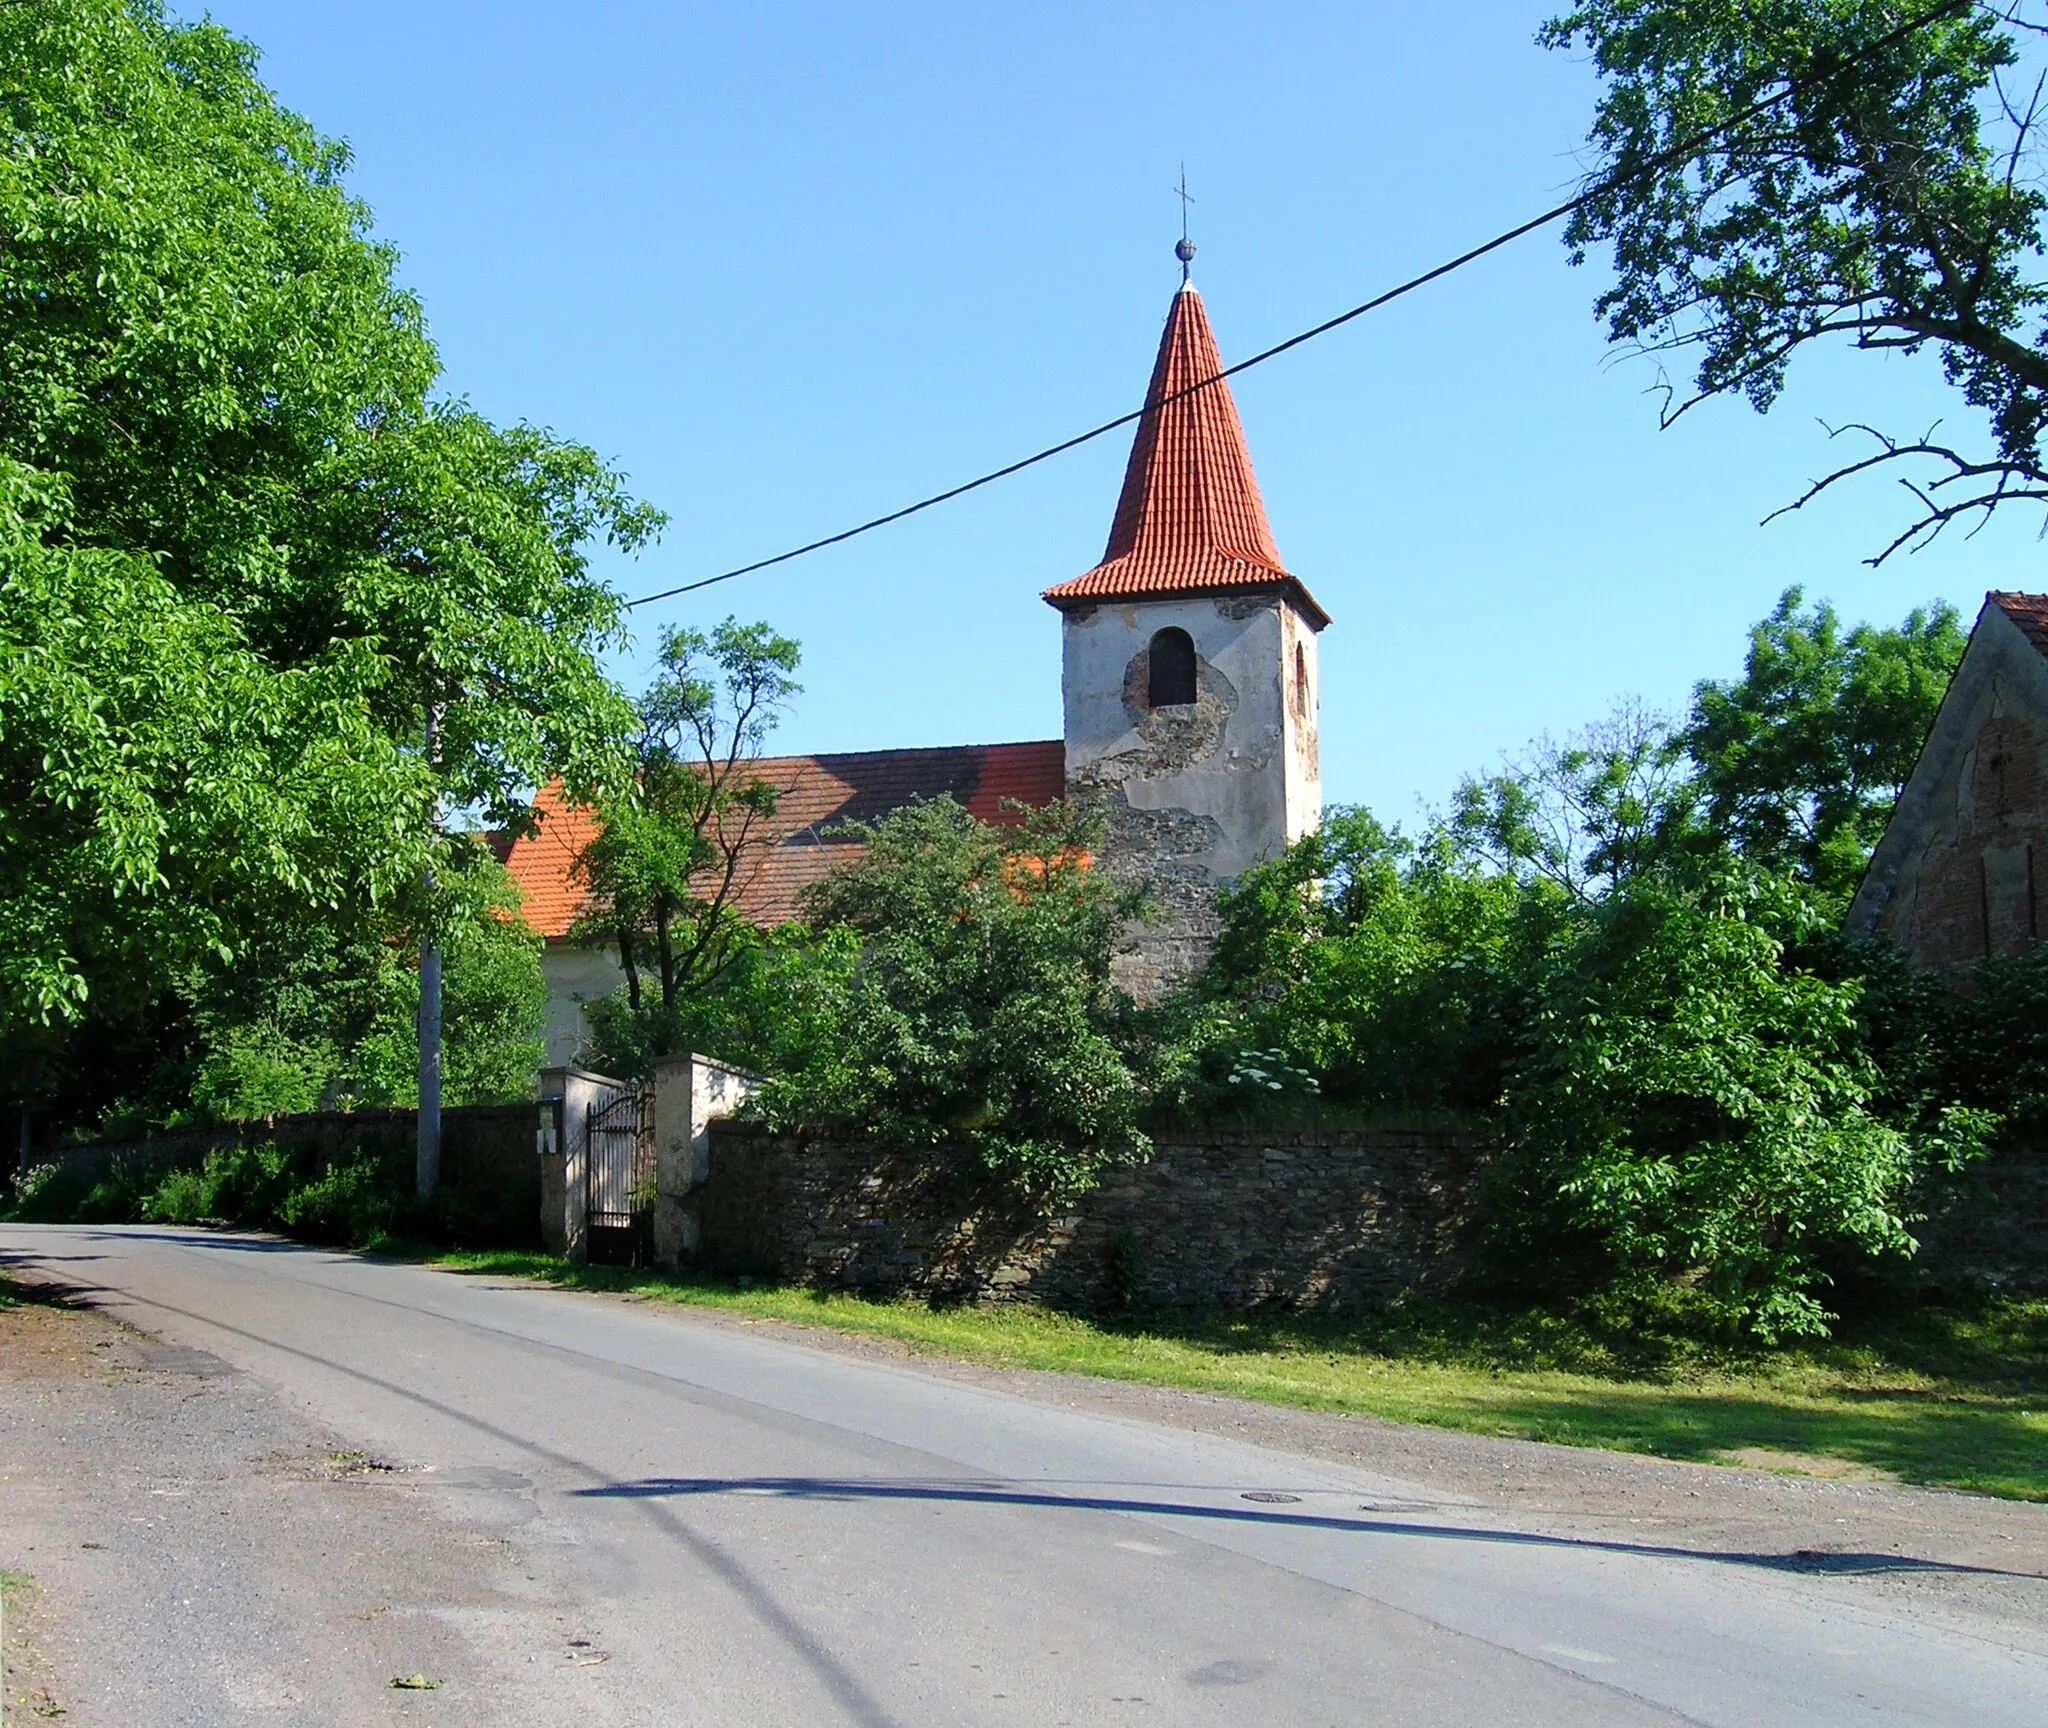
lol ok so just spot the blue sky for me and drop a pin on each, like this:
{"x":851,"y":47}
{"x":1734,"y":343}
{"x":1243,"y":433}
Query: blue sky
{"x":792,"y":265}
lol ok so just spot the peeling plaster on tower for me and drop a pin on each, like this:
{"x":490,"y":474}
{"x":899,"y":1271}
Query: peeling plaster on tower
{"x":1200,"y":770}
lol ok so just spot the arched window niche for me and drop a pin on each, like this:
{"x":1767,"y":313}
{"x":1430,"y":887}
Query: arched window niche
{"x":1170,"y":669}
{"x":1300,"y":682}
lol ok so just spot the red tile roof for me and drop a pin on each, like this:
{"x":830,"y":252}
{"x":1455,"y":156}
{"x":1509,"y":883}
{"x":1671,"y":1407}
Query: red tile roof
{"x":814,"y":794}
{"x":542,"y":863}
{"x":1190,"y":520}
{"x":2028,"y":611}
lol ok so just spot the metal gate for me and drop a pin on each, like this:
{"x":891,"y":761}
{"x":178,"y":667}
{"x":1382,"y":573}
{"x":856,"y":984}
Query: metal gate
{"x":619,"y":1163}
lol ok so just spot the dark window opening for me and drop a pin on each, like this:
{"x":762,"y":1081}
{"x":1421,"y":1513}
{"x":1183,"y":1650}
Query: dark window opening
{"x":1170,"y":677}
{"x":1300,"y":682}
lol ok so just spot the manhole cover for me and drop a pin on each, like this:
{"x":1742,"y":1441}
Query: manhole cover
{"x":1266,"y":1497}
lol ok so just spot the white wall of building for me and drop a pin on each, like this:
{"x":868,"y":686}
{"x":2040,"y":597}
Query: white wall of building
{"x":575,"y":977}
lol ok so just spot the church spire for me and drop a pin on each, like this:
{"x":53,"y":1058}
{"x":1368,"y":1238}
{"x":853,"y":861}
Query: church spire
{"x":1190,"y":520}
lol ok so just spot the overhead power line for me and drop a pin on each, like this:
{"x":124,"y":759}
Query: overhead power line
{"x":1671,"y":154}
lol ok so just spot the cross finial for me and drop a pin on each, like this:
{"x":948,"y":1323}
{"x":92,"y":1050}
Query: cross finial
{"x":1185,"y":250}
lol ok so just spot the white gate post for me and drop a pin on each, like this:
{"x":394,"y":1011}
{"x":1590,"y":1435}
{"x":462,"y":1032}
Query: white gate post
{"x":577,"y":1089}
{"x":690,"y":1092}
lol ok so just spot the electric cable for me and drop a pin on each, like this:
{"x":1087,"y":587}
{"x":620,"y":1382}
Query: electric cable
{"x":1665,"y":158}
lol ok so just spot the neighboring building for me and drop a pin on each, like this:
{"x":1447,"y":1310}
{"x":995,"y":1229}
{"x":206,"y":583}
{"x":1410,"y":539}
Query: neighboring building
{"x":1962,"y":867}
{"x":814,"y":794}
{"x":1189,"y":688}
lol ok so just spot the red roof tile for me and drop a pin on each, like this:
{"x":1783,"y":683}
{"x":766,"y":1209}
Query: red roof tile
{"x":2028,"y":611}
{"x":815,"y":793}
{"x":1190,"y":520}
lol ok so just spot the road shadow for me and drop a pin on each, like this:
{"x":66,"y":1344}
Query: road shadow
{"x":983,"y":1493}
{"x":202,"y":1236}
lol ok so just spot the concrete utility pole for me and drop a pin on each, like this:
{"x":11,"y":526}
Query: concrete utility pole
{"x":429,"y":1161}
{"x":427,"y":1169}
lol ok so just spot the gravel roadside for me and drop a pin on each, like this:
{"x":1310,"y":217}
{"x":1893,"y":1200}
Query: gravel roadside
{"x":202,"y":1553}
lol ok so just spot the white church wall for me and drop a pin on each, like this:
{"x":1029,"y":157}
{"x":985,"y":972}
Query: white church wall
{"x":1302,"y":759}
{"x":1193,"y":795}
{"x":1232,"y":759}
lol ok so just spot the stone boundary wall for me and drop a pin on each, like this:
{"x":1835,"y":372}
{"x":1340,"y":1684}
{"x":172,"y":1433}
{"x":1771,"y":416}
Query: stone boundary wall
{"x":488,"y":1162}
{"x":1991,"y":1231}
{"x":1236,"y":1220}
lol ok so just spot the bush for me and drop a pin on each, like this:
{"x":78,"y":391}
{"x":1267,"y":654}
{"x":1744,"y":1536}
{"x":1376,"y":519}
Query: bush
{"x":967,"y":1000}
{"x":1707,"y":1106}
{"x":1391,"y":974}
{"x":49,"y":1194}
{"x":350,"y":1205}
{"x":357,"y":1200}
{"x":1699,"y":1108}
{"x":182,"y":1197}
{"x":250,"y":1184}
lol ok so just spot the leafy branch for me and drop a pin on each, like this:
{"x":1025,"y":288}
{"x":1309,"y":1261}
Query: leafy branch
{"x":1892,"y":197}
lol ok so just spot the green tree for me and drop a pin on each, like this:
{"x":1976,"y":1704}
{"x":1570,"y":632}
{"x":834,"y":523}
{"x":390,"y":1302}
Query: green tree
{"x":678,"y":844}
{"x":1617,"y":953}
{"x":1686,"y":1104}
{"x":1701,"y":1109}
{"x":1890,"y":198}
{"x":774,"y":1009}
{"x":244,"y":550}
{"x":324,"y":1017}
{"x":978,"y":1011}
{"x":1794,"y":765}
{"x":1387,"y":970}
{"x":163,"y":788}
{"x":1801,"y":758}
{"x":1585,"y":815}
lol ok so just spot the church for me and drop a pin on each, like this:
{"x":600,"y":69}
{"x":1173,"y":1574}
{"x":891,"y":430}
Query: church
{"x":1188,"y":688}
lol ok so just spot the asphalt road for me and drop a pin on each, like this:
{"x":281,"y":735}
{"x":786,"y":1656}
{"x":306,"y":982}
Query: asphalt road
{"x":725,"y":1528}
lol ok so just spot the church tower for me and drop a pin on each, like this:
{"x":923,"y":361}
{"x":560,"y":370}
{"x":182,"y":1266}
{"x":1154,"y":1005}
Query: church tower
{"x":1189,"y":664}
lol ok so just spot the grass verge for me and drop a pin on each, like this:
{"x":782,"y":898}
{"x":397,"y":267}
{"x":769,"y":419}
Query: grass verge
{"x":1954,"y":1397}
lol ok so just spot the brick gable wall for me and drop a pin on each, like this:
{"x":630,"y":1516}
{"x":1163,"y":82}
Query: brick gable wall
{"x":1962,"y":870}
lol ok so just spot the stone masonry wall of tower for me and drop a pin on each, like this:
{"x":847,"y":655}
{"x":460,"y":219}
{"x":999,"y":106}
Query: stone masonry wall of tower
{"x":1191,"y":795}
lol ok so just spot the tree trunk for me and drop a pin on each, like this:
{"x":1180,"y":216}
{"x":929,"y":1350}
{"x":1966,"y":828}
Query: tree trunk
{"x":668,"y":959}
{"x":632,"y":970}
